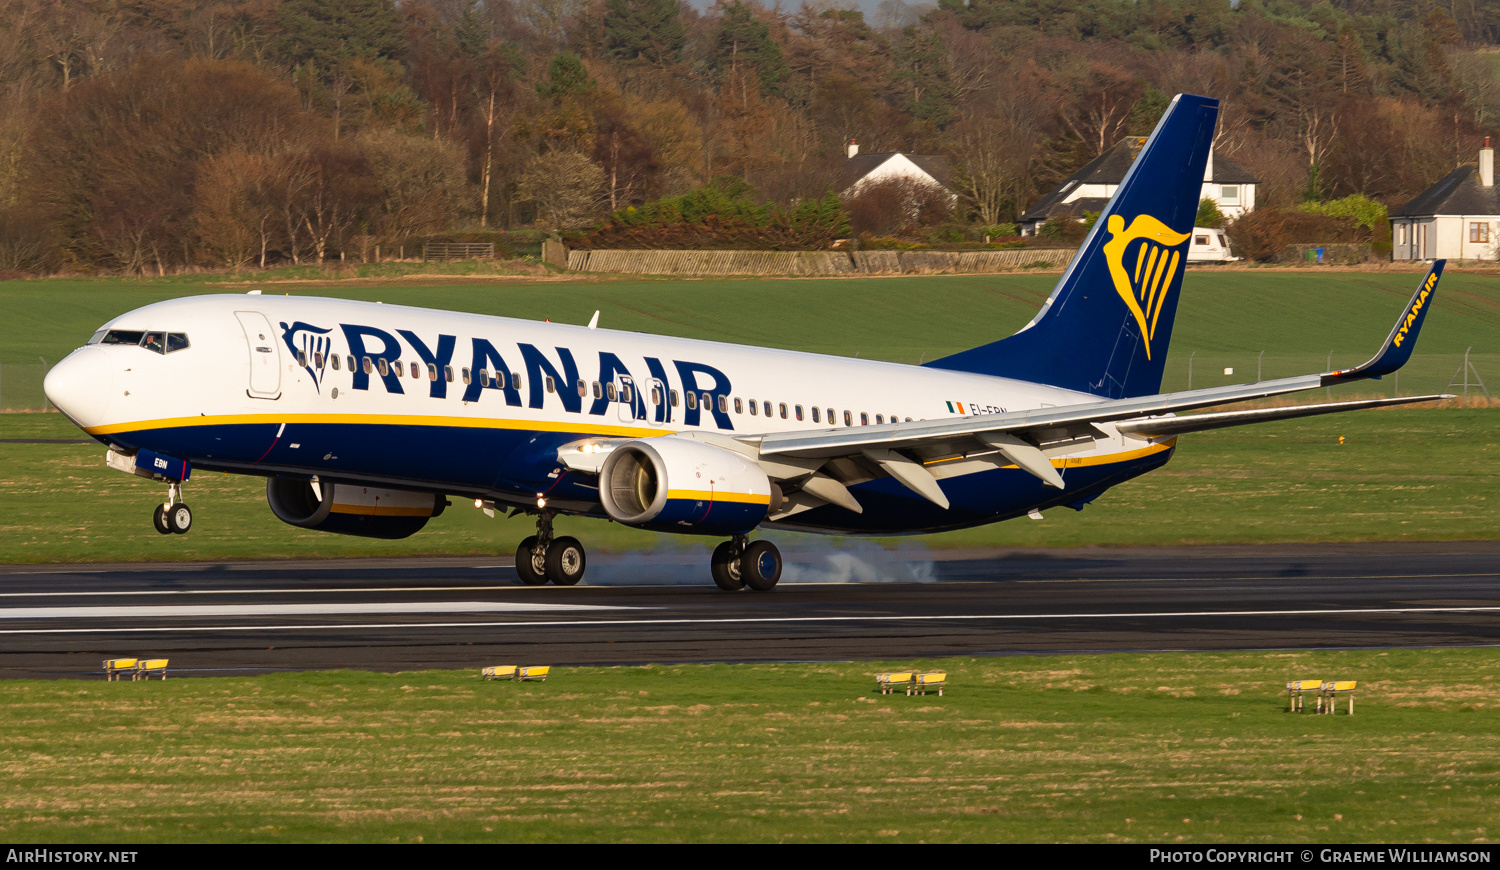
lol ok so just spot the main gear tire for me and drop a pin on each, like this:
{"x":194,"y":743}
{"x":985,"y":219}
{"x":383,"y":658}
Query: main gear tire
{"x":566,"y":561}
{"x":761,"y":566}
{"x":531,"y":566}
{"x":725,"y":567}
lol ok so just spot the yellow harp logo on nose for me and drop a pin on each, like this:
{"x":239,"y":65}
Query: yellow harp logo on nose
{"x":1143,"y":260}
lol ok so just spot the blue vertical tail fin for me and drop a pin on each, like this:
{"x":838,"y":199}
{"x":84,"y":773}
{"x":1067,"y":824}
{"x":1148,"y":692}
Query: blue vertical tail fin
{"x":1106,"y":326}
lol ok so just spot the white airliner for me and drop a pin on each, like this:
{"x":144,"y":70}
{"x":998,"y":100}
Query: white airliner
{"x":364,"y":417}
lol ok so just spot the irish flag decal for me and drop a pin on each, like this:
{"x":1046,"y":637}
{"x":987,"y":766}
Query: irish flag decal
{"x":956,"y":407}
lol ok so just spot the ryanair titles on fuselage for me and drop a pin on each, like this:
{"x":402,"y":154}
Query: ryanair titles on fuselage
{"x":539,"y":374}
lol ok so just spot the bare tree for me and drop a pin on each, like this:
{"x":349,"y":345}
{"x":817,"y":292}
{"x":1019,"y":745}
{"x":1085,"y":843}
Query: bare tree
{"x":566,"y":186}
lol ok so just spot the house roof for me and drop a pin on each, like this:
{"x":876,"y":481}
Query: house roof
{"x":860,"y":165}
{"x":1458,"y":192}
{"x":1110,"y":168}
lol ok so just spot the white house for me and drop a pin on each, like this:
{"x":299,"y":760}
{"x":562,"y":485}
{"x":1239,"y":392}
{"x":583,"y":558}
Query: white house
{"x":1225,"y":182}
{"x":1455,"y":219}
{"x":861,"y":170}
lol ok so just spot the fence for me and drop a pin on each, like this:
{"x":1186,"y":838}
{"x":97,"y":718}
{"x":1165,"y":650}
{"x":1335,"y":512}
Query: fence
{"x":1424,"y":374}
{"x":440,"y":252}
{"x":21,"y":387}
{"x":814,"y":262}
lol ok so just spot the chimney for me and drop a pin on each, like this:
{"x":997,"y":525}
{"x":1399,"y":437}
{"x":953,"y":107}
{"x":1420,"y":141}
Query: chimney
{"x":1487,"y":164}
{"x":854,"y":147}
{"x":1208,"y":168}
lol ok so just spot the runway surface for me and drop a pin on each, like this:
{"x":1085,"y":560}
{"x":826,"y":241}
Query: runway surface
{"x":857,"y":603}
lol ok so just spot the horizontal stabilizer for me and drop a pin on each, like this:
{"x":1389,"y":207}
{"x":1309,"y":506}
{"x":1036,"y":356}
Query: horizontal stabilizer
{"x":1163,"y":427}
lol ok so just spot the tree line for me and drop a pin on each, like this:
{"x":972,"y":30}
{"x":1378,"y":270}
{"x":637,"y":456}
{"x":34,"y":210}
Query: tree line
{"x":153,"y":135}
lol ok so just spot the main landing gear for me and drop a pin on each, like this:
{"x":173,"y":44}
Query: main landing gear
{"x":737,"y":563}
{"x":173,"y":515}
{"x":542,"y":557}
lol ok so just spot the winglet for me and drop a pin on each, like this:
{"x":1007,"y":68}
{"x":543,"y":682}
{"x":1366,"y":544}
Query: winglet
{"x":1403,"y":338}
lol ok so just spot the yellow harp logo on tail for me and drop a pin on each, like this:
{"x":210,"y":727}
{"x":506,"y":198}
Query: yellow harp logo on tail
{"x":1143,"y":260}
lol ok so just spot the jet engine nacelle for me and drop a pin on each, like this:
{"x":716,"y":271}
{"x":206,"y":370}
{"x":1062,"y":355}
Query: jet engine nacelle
{"x":673,"y":484}
{"x":351,"y":510}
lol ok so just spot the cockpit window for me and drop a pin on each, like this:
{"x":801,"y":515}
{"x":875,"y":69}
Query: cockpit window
{"x":122,"y":336}
{"x":154,"y":341}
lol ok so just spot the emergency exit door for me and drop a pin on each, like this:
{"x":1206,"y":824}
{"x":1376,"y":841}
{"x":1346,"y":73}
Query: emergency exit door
{"x":265,"y":355}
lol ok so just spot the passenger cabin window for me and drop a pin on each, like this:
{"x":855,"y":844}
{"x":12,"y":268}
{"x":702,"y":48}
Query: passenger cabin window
{"x":723,"y":404}
{"x":598,"y":390}
{"x":708,"y":401}
{"x":317,"y":360}
{"x":432,"y":371}
{"x":832,"y":418}
{"x":385,"y":367}
{"x":416,"y":372}
{"x":783,"y":410}
{"x":515,"y":380}
{"x":467,"y":378}
{"x":398,"y":368}
{"x":656,"y":395}
{"x":692,"y":400}
{"x":766,"y":406}
{"x":583,"y":389}
{"x":848,"y":418}
{"x":626,"y":394}
{"x":864,"y":419}
{"x":369,"y":365}
{"x":754,"y":407}
{"x":448,"y":374}
{"x":739,"y":406}
{"x":352,"y":365}
{"x":551,"y":385}
{"x":301,"y":358}
{"x":673,"y":396}
{"x":484,"y":377}
{"x":816,"y":415}
{"x":611,"y":392}
{"x":798,"y":410}
{"x":879,"y":418}
{"x":335,"y":360}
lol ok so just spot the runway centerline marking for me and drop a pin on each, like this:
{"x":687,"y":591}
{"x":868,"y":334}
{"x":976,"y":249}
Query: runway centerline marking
{"x":356,"y":590}
{"x":144,"y":611}
{"x":754,"y":620}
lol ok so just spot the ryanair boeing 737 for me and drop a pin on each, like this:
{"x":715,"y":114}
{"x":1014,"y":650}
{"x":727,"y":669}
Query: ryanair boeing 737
{"x":364,"y":418}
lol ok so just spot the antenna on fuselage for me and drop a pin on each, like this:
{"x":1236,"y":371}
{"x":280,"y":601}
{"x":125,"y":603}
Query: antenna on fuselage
{"x":594,"y":321}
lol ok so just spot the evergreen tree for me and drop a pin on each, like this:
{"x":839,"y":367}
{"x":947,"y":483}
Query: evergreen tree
{"x":331,"y":33}
{"x":744,"y":42}
{"x":648,"y":30}
{"x":566,"y":77}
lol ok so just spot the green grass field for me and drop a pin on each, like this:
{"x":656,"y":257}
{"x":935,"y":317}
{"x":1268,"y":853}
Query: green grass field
{"x":1401,"y":475}
{"x":1160,"y":748}
{"x":1225,"y":318}
{"x":1417,"y":475}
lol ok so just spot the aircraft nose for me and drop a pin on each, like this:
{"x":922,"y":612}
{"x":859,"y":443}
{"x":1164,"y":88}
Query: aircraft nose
{"x":80,"y":386}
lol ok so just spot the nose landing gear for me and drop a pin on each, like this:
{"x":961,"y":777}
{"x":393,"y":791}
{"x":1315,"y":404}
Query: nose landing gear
{"x":173,"y":516}
{"x":737,"y":563}
{"x":543,"y":557}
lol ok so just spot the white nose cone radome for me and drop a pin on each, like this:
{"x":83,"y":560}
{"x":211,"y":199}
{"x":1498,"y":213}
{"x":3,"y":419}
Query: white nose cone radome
{"x":81,"y":386}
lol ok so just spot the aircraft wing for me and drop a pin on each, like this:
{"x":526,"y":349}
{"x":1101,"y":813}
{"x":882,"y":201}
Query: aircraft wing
{"x":1081,"y":417}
